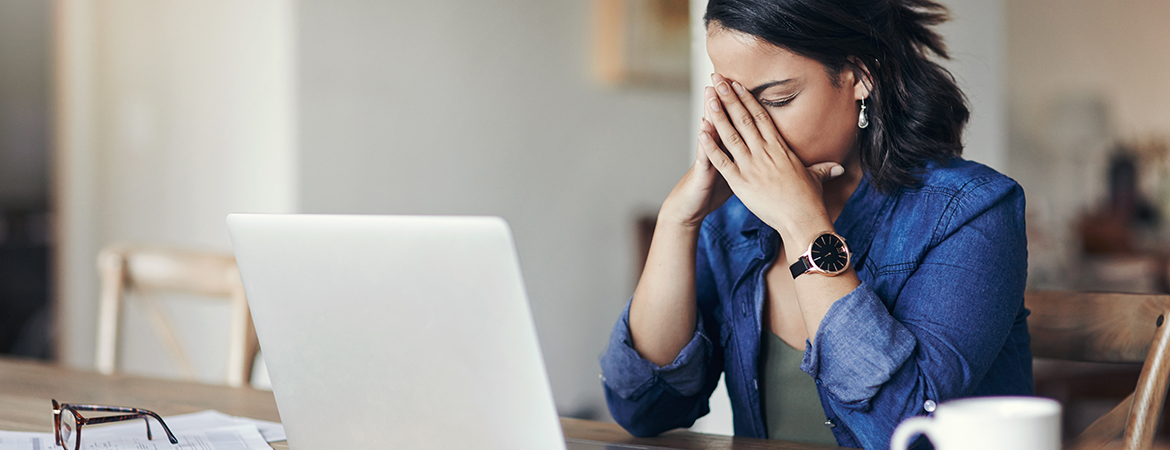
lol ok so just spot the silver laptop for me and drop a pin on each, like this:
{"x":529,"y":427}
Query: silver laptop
{"x":396,"y":332}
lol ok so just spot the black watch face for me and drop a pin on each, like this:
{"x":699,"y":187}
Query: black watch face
{"x":829,"y":253}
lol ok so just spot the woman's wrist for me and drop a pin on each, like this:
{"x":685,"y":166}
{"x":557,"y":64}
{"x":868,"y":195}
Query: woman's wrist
{"x":798,"y":236}
{"x":673,"y":229}
{"x":670,"y":217}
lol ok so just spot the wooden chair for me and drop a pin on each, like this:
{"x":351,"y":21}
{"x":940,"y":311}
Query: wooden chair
{"x":1115,"y":328}
{"x":147,"y":270}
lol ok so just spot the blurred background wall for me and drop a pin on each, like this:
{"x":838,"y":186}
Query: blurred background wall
{"x":169,"y":116}
{"x":165,"y":116}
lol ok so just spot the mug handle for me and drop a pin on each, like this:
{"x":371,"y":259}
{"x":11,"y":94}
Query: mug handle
{"x":908,"y":429}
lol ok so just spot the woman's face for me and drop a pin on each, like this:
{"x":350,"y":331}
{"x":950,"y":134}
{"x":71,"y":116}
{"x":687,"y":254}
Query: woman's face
{"x":817,"y":117}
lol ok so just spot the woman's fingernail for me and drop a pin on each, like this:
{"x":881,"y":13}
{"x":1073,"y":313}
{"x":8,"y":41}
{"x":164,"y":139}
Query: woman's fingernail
{"x":714,"y":105}
{"x":738,"y":87}
{"x":722,"y":88}
{"x":704,"y":137}
{"x":836,"y":171}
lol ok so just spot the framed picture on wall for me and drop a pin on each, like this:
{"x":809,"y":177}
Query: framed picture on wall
{"x":642,"y":43}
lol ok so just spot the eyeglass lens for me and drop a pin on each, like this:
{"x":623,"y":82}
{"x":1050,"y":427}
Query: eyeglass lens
{"x":67,"y":427}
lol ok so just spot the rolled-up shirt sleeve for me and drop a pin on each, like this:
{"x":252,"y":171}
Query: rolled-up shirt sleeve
{"x":646,"y":399}
{"x":866,"y":346}
{"x":629,"y":374}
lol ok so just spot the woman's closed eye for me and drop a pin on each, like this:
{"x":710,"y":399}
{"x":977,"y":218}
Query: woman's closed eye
{"x":776,"y":103}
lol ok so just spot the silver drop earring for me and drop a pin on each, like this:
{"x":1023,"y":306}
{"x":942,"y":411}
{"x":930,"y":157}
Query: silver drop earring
{"x":862,"y":120}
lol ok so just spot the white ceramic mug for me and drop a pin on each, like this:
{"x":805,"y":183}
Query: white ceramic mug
{"x":981,"y":423}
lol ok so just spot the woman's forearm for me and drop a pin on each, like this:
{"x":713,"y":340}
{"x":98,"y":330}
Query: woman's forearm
{"x":663,"y":312}
{"x":816,"y":293}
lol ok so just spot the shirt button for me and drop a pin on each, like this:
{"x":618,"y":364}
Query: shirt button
{"x":929,"y":406}
{"x":756,"y":384}
{"x":830,"y":424}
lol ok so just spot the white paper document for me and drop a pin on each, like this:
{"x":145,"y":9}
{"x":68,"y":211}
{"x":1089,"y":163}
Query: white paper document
{"x":272,"y":431}
{"x":19,"y":440}
{"x":239,"y":437}
{"x":203,"y":420}
{"x":207,"y":430}
{"x":218,"y":439}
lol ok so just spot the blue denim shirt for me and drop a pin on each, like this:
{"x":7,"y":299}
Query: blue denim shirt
{"x":939,"y":313}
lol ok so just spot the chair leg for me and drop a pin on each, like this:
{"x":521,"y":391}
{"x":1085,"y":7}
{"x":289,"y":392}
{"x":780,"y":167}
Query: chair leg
{"x":111,"y":267}
{"x":252,"y":348}
{"x":239,"y":368}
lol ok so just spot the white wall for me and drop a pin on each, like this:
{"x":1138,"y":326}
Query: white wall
{"x":977,"y":41}
{"x":24,"y":33}
{"x":487,"y":107}
{"x":169,"y":116}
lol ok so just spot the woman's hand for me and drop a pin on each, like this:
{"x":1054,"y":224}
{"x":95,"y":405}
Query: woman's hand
{"x":759,"y":167}
{"x":699,"y":192}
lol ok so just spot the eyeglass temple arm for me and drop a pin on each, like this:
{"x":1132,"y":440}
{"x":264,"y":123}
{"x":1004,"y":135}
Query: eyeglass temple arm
{"x":170,"y":436}
{"x":137,"y":413}
{"x":102,"y":408}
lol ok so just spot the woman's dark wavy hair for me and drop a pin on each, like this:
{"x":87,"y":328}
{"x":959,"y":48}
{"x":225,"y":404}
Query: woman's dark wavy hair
{"x":916,"y":111}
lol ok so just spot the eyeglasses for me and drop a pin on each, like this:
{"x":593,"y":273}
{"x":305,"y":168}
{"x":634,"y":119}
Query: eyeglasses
{"x":67,"y":421}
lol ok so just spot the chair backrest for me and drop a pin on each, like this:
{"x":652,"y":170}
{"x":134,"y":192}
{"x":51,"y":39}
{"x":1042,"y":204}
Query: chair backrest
{"x":1109,"y":327}
{"x":153,"y":270}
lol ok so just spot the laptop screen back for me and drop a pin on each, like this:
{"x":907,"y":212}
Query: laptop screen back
{"x":396,"y":331}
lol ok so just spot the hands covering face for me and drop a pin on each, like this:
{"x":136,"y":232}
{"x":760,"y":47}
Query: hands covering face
{"x":742,"y":142}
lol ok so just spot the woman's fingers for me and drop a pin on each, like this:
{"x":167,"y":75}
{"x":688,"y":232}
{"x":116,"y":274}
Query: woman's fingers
{"x":728,"y":136}
{"x":701,"y":159}
{"x":759,"y":115}
{"x":826,"y":171}
{"x":739,"y":117}
{"x":704,"y":125}
{"x":717,"y":157}
{"x":702,"y":162}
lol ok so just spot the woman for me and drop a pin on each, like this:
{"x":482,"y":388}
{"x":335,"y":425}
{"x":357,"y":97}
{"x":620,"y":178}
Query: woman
{"x":828,"y":251}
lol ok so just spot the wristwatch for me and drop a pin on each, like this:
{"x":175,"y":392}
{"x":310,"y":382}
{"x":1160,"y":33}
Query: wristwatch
{"x":826,"y":255}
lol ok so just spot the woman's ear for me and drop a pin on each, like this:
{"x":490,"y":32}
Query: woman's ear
{"x":862,"y":79}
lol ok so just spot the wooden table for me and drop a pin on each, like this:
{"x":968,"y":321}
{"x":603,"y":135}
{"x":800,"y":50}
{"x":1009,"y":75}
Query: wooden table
{"x":26,"y":389}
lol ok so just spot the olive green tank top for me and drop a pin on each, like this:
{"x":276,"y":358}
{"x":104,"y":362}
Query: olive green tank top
{"x":792,"y":408}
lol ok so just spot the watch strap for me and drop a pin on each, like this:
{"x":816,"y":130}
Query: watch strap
{"x":801,"y":266}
